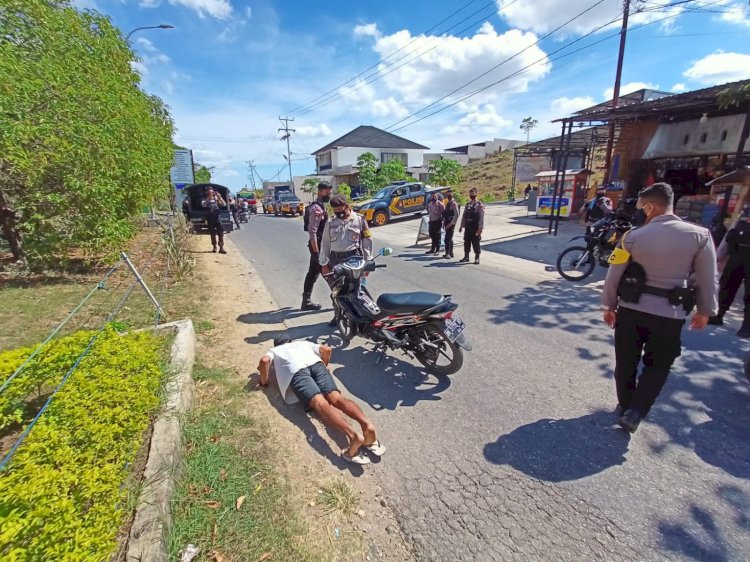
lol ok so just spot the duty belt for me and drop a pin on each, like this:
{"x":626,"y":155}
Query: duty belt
{"x":679,"y":296}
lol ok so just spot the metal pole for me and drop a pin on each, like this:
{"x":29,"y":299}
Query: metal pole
{"x":564,"y":169}
{"x":140,"y":280}
{"x":616,"y":92}
{"x":515,"y":163}
{"x":557,"y":176}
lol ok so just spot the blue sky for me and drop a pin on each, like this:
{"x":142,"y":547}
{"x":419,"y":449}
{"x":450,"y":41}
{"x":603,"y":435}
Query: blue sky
{"x":230,"y":68}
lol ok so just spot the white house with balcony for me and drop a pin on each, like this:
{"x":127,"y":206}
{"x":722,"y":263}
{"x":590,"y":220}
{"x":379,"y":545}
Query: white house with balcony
{"x":339,"y":158}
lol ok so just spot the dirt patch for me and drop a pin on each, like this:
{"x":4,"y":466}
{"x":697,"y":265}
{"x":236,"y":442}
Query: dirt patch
{"x":368,"y":529}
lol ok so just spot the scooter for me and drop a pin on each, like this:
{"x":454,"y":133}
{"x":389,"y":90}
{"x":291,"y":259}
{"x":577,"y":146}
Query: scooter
{"x":422,"y":325}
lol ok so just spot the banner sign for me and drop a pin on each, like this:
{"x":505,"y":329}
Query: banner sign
{"x":544,"y":206}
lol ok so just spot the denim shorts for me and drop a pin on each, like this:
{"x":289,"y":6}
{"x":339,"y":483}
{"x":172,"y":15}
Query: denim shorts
{"x":311,"y":381}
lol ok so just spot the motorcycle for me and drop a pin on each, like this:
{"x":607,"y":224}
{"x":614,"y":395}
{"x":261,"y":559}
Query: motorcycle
{"x":244,"y":215}
{"x":422,"y":325}
{"x":578,"y":262}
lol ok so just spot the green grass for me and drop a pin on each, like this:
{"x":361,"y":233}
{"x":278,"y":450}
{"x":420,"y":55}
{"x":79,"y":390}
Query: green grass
{"x":202,"y":373}
{"x":217,"y":472}
{"x":339,"y":497}
{"x":202,"y":326}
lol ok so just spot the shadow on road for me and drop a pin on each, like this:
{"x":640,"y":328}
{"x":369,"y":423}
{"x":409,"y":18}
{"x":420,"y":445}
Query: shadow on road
{"x":277,"y":316}
{"x":562,"y":450}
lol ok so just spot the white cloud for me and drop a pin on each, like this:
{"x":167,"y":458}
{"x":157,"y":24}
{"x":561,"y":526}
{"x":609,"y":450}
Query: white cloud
{"x":542,"y":16}
{"x":564,"y":106}
{"x":679,"y":87}
{"x":436,"y":66}
{"x":389,"y":107}
{"x":367,"y":30}
{"x":149,"y":3}
{"x":629,"y":88}
{"x":484,"y":120}
{"x":736,"y":14}
{"x":718,"y":68}
{"x":146,"y":45}
{"x":219,"y":9}
{"x":357,"y":93}
{"x":248,"y":12}
{"x":312,"y":131}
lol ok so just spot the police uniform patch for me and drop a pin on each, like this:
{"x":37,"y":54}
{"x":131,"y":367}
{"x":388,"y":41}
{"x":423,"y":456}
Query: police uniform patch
{"x":366,"y":233}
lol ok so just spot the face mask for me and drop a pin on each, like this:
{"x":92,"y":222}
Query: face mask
{"x":473,"y":197}
{"x":341,"y":214}
{"x":449,"y":197}
{"x":325,"y":198}
{"x":639,"y":217}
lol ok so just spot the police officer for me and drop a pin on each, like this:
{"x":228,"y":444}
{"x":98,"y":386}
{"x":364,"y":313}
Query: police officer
{"x":473,"y":221}
{"x":450,"y":219}
{"x":213,"y":203}
{"x":316,"y":218}
{"x":735,"y":247}
{"x":646,"y":298}
{"x":344,"y":236}
{"x":435,"y":210}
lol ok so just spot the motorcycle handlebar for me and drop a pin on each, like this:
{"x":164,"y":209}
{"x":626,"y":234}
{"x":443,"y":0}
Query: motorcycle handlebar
{"x":380,"y":266}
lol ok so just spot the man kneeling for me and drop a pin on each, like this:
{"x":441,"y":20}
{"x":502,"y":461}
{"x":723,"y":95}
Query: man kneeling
{"x":302,"y":367}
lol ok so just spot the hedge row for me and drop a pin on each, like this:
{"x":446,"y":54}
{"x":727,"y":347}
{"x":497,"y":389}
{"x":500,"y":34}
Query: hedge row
{"x":62,"y":495}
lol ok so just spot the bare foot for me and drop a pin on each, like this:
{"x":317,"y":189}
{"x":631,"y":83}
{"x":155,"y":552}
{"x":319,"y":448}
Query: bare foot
{"x":369,"y":434}
{"x":354,"y":444}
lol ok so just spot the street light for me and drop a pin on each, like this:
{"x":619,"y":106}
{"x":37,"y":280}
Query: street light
{"x":160,"y":26}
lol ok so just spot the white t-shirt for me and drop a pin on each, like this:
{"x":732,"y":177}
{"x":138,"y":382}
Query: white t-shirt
{"x":289,"y":358}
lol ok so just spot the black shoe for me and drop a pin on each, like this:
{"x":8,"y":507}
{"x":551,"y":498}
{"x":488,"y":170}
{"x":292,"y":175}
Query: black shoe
{"x":476,"y":261}
{"x":630,"y":420}
{"x":619,"y":411}
{"x":307,"y":304}
{"x":716,"y":321}
{"x":222,"y":250}
{"x":464,"y":259}
{"x":446,"y":256}
{"x":452,"y":256}
{"x":744,"y":331}
{"x":214,"y":250}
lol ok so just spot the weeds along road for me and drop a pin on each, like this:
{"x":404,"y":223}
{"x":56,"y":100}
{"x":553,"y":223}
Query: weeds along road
{"x":517,"y":457}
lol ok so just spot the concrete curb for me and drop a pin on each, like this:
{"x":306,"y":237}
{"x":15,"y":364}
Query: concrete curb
{"x":153,"y":516}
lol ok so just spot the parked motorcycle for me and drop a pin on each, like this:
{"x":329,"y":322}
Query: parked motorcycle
{"x":578,"y":262}
{"x":422,"y":325}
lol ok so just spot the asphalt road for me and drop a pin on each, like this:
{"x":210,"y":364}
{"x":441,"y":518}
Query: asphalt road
{"x":517,"y":456}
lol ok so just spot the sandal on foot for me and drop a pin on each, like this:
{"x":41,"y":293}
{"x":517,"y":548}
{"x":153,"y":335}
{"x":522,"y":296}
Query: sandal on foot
{"x":359,"y":458}
{"x":376,"y":448}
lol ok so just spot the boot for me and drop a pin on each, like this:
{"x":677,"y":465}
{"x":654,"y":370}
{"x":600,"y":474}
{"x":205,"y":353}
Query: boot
{"x":744,"y":331}
{"x":717,"y":320}
{"x":214,"y":249}
{"x":307,"y":304}
{"x":464,"y":259}
{"x":222,"y":250}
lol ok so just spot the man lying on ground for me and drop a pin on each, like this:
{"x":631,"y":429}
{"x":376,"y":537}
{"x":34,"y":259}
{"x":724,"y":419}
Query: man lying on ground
{"x":302,"y":368}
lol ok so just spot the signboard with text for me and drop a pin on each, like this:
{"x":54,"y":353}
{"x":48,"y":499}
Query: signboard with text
{"x":544,"y":206}
{"x":181,"y":172}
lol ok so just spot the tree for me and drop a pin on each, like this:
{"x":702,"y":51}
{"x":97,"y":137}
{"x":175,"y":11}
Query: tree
{"x":391,"y":171}
{"x":445,"y":172}
{"x":345,"y":190}
{"x":309,"y":185}
{"x":367,"y":163}
{"x":202,"y":173}
{"x":527,"y":124}
{"x":82,"y":148}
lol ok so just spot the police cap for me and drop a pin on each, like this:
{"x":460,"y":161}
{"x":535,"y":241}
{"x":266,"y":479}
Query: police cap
{"x":338,"y":201}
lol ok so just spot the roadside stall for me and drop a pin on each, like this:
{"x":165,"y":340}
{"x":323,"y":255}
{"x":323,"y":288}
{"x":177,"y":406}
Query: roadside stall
{"x":573,"y":191}
{"x":737,"y":185}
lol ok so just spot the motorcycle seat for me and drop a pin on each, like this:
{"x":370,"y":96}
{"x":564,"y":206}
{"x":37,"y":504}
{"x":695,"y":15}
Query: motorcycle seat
{"x":394,"y":303}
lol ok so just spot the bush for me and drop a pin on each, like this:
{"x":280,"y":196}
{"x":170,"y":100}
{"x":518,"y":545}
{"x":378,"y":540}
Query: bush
{"x":62,"y":493}
{"x":488,"y":198}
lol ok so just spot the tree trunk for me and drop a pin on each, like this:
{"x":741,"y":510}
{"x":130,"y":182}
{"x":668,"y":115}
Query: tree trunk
{"x":8,"y":227}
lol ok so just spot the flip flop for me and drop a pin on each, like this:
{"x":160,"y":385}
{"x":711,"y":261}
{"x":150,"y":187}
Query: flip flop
{"x":358,"y":459}
{"x":376,"y":448}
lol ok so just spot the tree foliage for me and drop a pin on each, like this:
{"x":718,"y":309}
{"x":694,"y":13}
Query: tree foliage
{"x":310,"y":185}
{"x":202,"y":173}
{"x":345,"y":190}
{"x":445,"y":172}
{"x":82,"y":148}
{"x":391,"y":171}
{"x":367,"y":163}
{"x":527,"y":124}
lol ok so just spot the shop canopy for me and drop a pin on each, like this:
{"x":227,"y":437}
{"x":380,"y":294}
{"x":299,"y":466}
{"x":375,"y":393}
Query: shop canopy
{"x":568,"y":173}
{"x":740,"y":175}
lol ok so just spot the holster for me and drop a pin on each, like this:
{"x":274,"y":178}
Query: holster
{"x":685,"y":297}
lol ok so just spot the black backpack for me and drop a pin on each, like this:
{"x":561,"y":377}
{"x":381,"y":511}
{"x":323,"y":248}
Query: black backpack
{"x":306,"y":217}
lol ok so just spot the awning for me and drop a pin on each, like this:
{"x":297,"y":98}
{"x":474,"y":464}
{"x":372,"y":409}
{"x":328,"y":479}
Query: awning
{"x":738,"y":176}
{"x":717,"y":135}
{"x":571,"y":173}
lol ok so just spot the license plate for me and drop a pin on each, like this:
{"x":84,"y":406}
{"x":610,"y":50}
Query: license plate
{"x":454,"y":328}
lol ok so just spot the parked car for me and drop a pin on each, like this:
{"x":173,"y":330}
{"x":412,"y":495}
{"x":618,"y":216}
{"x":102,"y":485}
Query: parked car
{"x":288,"y":204}
{"x":197,"y":215}
{"x":268,"y":205}
{"x":398,"y":199}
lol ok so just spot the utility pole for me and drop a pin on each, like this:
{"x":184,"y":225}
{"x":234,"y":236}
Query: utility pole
{"x":251,"y":165}
{"x":288,"y":133}
{"x":616,"y":92}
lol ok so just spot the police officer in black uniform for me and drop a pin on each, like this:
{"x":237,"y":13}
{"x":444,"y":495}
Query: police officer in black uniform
{"x":213,"y":202}
{"x":316,"y":217}
{"x":473,"y":221}
{"x":736,"y":249}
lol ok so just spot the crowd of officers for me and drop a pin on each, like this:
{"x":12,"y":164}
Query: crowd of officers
{"x":346,"y":234}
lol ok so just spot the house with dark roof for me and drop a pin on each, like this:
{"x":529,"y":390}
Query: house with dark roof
{"x":339,"y":157}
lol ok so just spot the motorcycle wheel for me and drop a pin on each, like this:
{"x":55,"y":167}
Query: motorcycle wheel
{"x":346,"y":325}
{"x":575,"y":263}
{"x":440,"y":347}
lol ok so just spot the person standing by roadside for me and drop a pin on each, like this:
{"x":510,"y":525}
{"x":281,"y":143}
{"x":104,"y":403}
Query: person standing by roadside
{"x":735,"y":249}
{"x":450,"y":219}
{"x":302,"y":368}
{"x":473,"y":221}
{"x":316,"y":218}
{"x":647,"y":297}
{"x":344,"y":236}
{"x":213,"y":202}
{"x":435,"y":210}
{"x":526,"y":191}
{"x":234,"y":209}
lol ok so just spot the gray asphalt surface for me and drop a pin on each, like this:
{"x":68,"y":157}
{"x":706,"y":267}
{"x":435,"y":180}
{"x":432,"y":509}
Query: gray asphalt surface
{"x":517,"y":456}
